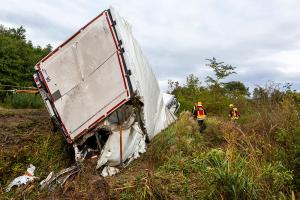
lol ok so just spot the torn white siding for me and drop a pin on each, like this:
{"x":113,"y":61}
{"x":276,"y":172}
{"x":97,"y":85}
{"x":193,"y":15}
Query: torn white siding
{"x":157,"y":116}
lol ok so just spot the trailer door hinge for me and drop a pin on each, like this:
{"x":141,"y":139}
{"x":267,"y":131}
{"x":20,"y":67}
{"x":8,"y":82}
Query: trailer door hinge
{"x":121,"y":50}
{"x":120,"y":43}
{"x":128,"y":72}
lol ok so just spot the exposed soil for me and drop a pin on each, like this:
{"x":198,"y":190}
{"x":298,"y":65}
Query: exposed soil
{"x":19,"y":126}
{"x":26,"y":136}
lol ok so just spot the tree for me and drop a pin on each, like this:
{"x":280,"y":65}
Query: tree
{"x":18,"y":57}
{"x":236,"y":87}
{"x":18,"y":33}
{"x":221,"y":71}
{"x":192,"y":82}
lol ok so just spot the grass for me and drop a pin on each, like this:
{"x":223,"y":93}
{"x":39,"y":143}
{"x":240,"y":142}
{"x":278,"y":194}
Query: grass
{"x":23,"y":100}
{"x":257,"y":157}
{"x":236,"y":166}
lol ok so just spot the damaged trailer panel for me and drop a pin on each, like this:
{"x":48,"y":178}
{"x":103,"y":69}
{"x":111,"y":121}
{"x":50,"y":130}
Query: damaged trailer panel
{"x":85,"y":77}
{"x":99,"y":84}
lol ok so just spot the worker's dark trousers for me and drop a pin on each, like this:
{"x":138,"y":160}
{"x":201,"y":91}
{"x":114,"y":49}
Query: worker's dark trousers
{"x":201,"y":127}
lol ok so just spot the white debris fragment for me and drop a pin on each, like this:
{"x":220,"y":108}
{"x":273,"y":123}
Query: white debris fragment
{"x":44,"y":182}
{"x":23,"y":180}
{"x":109,"y":171}
{"x":78,"y":154}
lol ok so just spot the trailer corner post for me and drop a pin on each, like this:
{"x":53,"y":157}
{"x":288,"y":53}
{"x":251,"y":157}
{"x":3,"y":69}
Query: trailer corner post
{"x":121,"y":147}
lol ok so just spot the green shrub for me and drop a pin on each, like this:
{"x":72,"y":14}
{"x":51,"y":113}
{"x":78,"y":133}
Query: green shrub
{"x":227,"y":179}
{"x":23,"y":100}
{"x":277,"y":177}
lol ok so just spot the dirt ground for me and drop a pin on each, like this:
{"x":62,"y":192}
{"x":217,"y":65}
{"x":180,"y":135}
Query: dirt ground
{"x":26,"y":137}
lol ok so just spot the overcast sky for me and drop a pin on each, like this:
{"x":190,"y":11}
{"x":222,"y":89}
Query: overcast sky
{"x":260,"y":37}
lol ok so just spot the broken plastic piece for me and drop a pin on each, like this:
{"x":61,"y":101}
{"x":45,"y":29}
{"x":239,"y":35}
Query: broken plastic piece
{"x":23,"y":180}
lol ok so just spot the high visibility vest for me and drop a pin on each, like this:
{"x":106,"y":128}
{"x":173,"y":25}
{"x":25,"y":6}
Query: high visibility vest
{"x":234,"y":113}
{"x":200,"y":112}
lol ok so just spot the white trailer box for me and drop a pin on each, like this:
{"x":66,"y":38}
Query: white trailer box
{"x":96,"y":72}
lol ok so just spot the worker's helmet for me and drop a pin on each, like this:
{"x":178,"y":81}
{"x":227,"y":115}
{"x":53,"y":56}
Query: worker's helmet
{"x":231,"y":105}
{"x":199,"y":103}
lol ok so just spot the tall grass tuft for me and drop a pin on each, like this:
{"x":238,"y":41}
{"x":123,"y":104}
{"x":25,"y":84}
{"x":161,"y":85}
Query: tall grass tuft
{"x":23,"y":100}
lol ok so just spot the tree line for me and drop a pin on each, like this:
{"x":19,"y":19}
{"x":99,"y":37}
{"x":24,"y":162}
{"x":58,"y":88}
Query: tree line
{"x":217,"y":94}
{"x":18,"y":57}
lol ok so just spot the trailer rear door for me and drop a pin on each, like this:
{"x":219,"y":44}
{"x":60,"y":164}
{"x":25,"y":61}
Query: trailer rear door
{"x":86,"y":77}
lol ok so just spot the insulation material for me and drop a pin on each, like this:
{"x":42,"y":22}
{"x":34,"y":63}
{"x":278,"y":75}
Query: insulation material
{"x":125,"y":143}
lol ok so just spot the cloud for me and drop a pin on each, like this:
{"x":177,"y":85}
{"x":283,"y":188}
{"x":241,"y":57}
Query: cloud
{"x":38,"y":26}
{"x":260,"y":37}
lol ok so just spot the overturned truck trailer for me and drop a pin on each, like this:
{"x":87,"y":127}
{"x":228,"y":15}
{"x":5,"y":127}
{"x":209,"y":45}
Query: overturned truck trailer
{"x":101,"y":91}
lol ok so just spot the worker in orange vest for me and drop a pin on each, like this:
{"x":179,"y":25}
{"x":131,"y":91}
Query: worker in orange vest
{"x":200,"y":114}
{"x":234,"y":114}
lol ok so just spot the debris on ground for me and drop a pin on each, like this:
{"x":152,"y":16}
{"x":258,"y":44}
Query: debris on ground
{"x":28,"y":177}
{"x":60,"y":178}
{"x":86,"y":184}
